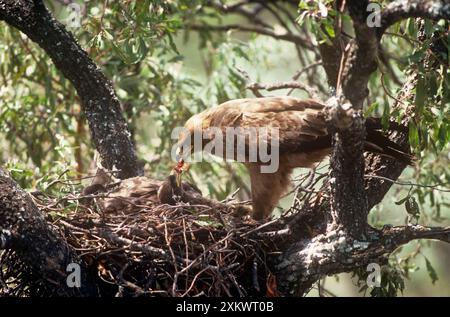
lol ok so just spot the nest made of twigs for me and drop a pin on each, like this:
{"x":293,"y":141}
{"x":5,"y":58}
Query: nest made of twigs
{"x":137,"y":246}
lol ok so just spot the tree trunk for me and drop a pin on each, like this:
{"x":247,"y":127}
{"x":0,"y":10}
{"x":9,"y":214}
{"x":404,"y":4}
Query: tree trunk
{"x":38,"y":245}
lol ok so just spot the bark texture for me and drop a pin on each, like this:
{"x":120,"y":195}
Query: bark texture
{"x":24,"y":229}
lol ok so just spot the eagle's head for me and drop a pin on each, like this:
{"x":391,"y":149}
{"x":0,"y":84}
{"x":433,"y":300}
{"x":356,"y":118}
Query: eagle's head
{"x":193,"y":129}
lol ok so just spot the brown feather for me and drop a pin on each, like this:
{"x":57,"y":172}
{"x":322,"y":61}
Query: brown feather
{"x":267,"y":189}
{"x":303,"y":139}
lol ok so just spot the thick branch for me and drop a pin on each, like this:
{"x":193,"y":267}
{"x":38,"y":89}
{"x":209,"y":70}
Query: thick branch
{"x":98,"y":99}
{"x":317,"y":257}
{"x":331,"y":55}
{"x":23,"y":229}
{"x":348,"y":199}
{"x":335,"y":252}
{"x":349,"y":206}
{"x":361,"y":61}
{"x":401,"y":9}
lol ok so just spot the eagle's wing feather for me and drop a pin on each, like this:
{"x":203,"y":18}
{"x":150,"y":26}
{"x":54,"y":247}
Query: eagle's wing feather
{"x":297,"y":120}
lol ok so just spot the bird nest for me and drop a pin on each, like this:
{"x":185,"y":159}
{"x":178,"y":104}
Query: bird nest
{"x":137,"y":246}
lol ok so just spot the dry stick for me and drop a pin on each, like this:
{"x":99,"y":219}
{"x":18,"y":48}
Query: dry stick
{"x":301,"y":71}
{"x":186,"y":249}
{"x":58,"y":180}
{"x":312,"y":92}
{"x":231,"y":233}
{"x":343,"y":50}
{"x":259,"y":228}
{"x":194,"y":280}
{"x":235,"y":283}
{"x":156,"y":252}
{"x":300,"y":188}
{"x":311,"y":183}
{"x":387,"y":92}
{"x":175,"y":266}
{"x":341,"y":68}
{"x":231,"y":196}
{"x":254,"y":29}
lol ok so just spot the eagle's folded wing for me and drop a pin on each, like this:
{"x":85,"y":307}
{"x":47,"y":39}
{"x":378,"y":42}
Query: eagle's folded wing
{"x":297,"y":121}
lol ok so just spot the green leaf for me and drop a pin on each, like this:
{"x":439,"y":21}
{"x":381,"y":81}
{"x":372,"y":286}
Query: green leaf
{"x":402,"y":201}
{"x":443,"y":136}
{"x":413,"y":134}
{"x":330,"y":30}
{"x":431,"y":271}
{"x":410,"y":26}
{"x":429,"y":27}
{"x":371,"y":109}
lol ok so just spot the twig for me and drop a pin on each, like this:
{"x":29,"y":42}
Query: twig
{"x":312,"y":92}
{"x":286,"y":36}
{"x":303,"y":70}
{"x":433,"y":187}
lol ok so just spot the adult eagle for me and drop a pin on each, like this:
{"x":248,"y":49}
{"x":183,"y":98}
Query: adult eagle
{"x":302,"y":133}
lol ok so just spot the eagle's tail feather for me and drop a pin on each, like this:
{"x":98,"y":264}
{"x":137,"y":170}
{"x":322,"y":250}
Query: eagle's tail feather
{"x":379,"y":143}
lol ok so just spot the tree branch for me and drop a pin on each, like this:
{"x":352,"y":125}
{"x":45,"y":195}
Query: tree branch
{"x":348,"y":202}
{"x":350,"y":68}
{"x":252,"y":14}
{"x":361,"y":61}
{"x":109,"y":131}
{"x":239,"y":8}
{"x":23,"y":229}
{"x":384,"y":166}
{"x":401,"y":9}
{"x":335,"y":252}
{"x":312,"y":92}
{"x":285,"y":36}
